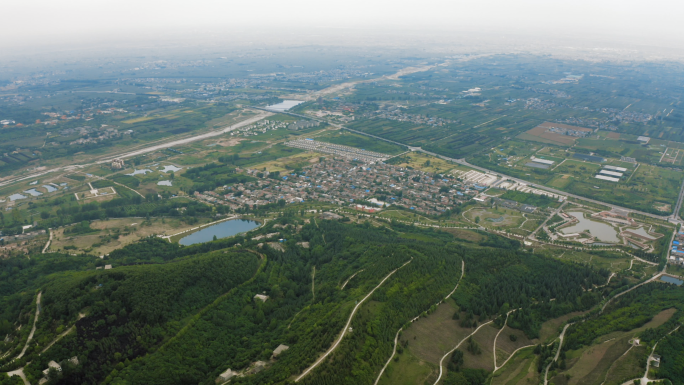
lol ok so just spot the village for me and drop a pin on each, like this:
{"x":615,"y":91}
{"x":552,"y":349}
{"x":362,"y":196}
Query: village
{"x":341,"y":181}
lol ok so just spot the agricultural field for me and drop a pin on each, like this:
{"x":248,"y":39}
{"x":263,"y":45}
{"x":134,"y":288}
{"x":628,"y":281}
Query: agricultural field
{"x":644,"y":186}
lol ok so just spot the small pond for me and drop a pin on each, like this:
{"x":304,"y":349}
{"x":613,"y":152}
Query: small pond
{"x":33,"y":192}
{"x":49,"y":188}
{"x":15,"y":197}
{"x":220,"y":230}
{"x":673,"y":280}
{"x":604,"y":232}
{"x":641,"y":231}
{"x":136,"y":172}
{"x":171,"y":168}
{"x":164,"y":183}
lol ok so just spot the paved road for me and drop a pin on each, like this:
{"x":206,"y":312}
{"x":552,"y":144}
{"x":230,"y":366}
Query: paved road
{"x":555,"y":212}
{"x":346,"y":327}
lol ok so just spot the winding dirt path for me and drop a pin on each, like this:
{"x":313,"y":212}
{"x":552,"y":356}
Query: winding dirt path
{"x":59,"y":337}
{"x":560,"y":345}
{"x":48,"y":242}
{"x":33,"y":330}
{"x":656,"y":276}
{"x":346,"y":327}
{"x":396,"y":337}
{"x":497,"y":337}
{"x":441,"y":367}
{"x":349,"y":279}
{"x":511,"y":356}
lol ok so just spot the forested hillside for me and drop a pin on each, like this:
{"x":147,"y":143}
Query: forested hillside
{"x":168,"y":314}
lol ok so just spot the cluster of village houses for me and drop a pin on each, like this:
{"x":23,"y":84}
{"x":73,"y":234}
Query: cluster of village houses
{"x":367,"y":187}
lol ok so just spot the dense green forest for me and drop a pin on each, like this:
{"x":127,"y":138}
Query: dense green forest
{"x":171,"y":314}
{"x":628,"y":312}
{"x":672,"y":361}
{"x":543,"y":288}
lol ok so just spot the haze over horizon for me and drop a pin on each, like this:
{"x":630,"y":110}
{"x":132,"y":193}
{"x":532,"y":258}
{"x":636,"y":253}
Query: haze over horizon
{"x":40,"y":26}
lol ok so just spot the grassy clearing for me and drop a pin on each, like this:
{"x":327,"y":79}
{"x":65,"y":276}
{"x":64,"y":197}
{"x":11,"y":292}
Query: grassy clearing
{"x":466,"y":235}
{"x":129,"y":230}
{"x":408,"y":370}
{"x":496,"y":218}
{"x":521,"y":369}
{"x":612,"y":264}
{"x":552,"y":328}
{"x":485,"y":339}
{"x":423,"y":162}
{"x":591,"y":365}
{"x":431,"y":337}
{"x":290,"y":163}
{"x":505,"y":345}
{"x":628,"y":366}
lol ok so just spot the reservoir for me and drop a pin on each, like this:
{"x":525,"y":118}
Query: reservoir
{"x":673,"y":280}
{"x":220,"y":230}
{"x":602,"y":231}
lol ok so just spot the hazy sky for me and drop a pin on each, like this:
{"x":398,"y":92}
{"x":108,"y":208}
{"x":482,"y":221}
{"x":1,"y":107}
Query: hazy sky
{"x":35,"y":23}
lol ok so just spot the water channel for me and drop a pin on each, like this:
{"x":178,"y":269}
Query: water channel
{"x":220,"y":230}
{"x":602,"y":231}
